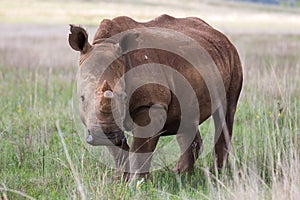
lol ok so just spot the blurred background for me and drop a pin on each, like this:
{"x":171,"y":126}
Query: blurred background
{"x":242,"y":14}
{"x":35,"y":24}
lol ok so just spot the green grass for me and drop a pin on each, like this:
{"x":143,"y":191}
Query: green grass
{"x":37,"y":77}
{"x":265,"y":151}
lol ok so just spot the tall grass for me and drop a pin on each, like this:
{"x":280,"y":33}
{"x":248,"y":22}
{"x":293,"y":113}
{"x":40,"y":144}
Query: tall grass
{"x":37,"y":75}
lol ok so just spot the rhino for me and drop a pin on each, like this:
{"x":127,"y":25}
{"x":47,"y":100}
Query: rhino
{"x":157,"y":78}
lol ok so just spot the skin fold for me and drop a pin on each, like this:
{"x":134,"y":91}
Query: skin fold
{"x":110,"y":103}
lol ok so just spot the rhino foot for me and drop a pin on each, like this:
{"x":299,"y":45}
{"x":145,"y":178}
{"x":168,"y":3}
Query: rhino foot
{"x":187,"y":159}
{"x":185,"y":163}
{"x":124,"y":177}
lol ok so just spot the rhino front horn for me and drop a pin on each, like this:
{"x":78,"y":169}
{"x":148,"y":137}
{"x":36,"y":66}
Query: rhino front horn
{"x":105,"y":86}
{"x":105,"y":90}
{"x":106,"y":95}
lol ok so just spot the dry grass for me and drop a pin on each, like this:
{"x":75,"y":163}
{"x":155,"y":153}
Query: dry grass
{"x":37,"y":74}
{"x":222,"y":14}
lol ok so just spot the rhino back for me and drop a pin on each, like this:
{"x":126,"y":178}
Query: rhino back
{"x":216,"y":44}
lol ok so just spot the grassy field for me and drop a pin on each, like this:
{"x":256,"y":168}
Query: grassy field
{"x":37,"y":76}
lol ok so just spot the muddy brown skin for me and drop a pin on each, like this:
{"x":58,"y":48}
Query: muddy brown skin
{"x":97,"y":88}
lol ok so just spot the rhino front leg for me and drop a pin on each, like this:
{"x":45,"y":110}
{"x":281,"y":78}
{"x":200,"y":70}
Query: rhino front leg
{"x":189,"y":152}
{"x":121,"y":158}
{"x":148,"y":124}
{"x":140,"y":156}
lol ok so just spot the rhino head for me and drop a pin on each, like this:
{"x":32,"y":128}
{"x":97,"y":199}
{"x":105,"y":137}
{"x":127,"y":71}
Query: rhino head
{"x":101,"y":67}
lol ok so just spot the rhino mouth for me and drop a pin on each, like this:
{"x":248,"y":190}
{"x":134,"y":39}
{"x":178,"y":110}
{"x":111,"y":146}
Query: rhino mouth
{"x":115,"y":138}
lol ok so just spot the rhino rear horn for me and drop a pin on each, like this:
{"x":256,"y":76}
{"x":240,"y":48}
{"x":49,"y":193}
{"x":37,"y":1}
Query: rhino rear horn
{"x":78,"y":39}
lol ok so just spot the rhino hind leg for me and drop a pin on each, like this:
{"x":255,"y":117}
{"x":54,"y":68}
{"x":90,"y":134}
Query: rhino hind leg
{"x":224,"y":116}
{"x":223,"y":120}
{"x":223,"y":128}
{"x":188,"y":154}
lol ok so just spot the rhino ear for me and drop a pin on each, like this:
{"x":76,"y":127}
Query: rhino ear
{"x":129,"y":42}
{"x":78,"y":39}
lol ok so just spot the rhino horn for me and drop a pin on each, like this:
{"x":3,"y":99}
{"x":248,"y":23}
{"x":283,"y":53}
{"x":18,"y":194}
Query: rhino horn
{"x":106,"y":94}
{"x":104,"y":87}
{"x":105,"y":90}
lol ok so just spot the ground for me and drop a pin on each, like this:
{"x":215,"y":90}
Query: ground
{"x":38,"y":73}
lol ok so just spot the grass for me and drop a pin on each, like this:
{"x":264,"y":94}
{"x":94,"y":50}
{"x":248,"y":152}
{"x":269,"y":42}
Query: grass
{"x":37,"y":75}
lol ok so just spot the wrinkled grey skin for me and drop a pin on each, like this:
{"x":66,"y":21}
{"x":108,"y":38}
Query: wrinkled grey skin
{"x":100,"y":125}
{"x":107,"y":117}
{"x":102,"y":129}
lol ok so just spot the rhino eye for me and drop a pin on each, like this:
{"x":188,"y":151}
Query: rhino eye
{"x":82,"y":98}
